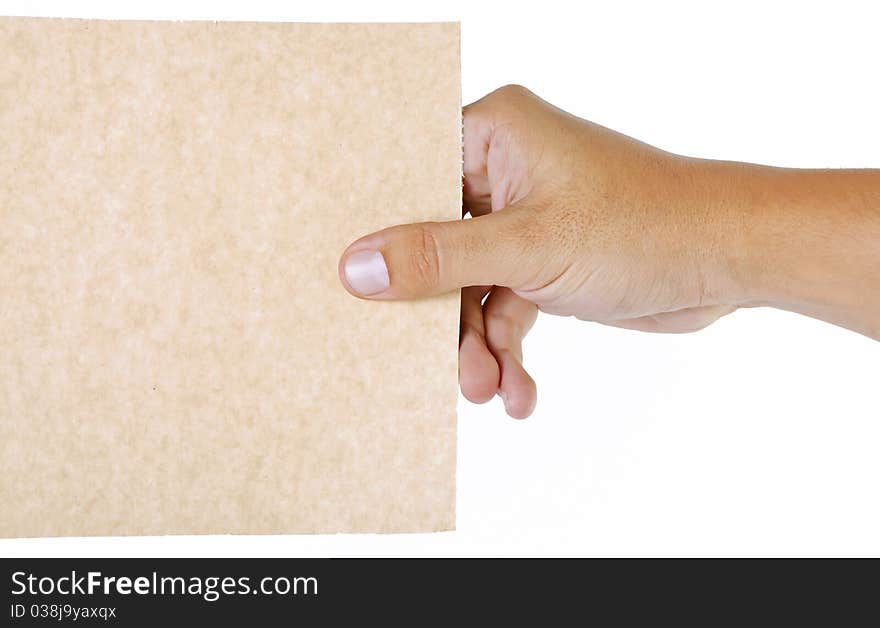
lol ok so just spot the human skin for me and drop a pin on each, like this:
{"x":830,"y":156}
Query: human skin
{"x":573,"y":219}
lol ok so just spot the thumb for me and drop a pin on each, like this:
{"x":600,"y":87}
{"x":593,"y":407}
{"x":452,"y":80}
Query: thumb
{"x":430,"y":258}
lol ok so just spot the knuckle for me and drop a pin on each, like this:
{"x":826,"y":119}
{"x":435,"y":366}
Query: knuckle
{"x":424,"y":257}
{"x":507,"y":98}
{"x":501,"y":323}
{"x":513,"y":92}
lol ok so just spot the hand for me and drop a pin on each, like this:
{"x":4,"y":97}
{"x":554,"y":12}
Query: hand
{"x":571,"y":218}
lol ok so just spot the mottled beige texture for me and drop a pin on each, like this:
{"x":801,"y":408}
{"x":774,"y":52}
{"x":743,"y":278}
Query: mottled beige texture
{"x":177,"y":355}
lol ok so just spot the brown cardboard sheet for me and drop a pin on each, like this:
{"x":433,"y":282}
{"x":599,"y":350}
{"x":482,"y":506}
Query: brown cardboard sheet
{"x":177,"y":355}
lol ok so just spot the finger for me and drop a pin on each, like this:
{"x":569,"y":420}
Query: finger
{"x":426,"y":259}
{"x":508,"y":318}
{"x":477,"y":133}
{"x":478,"y":372}
{"x":496,"y":167}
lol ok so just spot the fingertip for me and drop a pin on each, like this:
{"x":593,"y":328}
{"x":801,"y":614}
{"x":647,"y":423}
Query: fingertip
{"x":340,"y":271}
{"x":479,"y":374}
{"x":518,"y":390}
{"x":519,"y":402}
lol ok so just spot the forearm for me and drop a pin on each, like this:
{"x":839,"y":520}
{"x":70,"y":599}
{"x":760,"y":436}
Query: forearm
{"x":807,"y":241}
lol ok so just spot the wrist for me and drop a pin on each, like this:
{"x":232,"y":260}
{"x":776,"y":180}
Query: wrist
{"x":807,"y":241}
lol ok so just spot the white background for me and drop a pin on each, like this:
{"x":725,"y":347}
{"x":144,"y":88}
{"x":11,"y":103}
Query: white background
{"x":758,"y":436}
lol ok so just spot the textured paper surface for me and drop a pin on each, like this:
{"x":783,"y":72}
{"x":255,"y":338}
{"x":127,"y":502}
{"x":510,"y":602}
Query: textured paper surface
{"x":177,"y":355}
